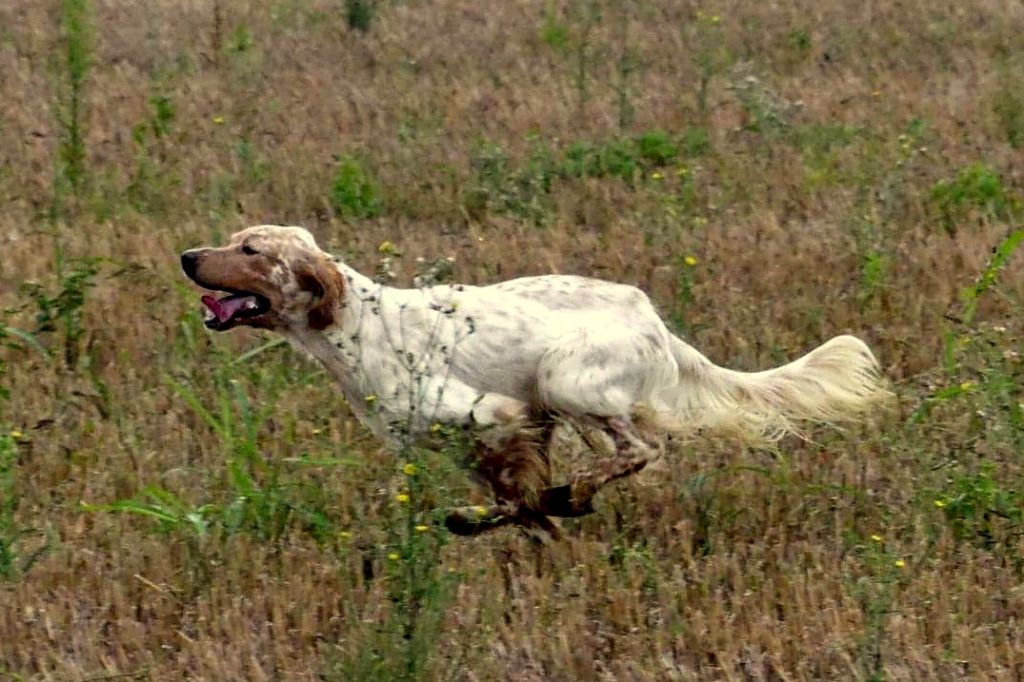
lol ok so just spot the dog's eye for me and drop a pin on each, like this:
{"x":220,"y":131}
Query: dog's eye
{"x":248,"y":250}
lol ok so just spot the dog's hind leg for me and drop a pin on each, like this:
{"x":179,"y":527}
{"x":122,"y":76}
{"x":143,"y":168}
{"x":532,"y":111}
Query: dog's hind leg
{"x":602,"y":378}
{"x":632,"y":453}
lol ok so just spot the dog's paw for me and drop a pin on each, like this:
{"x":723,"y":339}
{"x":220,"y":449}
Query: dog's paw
{"x":476,"y":520}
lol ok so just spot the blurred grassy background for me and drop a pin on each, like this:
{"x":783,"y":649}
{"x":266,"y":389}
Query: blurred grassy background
{"x":773,"y":174}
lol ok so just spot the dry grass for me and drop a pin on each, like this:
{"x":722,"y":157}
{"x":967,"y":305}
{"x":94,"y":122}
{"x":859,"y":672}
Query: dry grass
{"x":808,"y":215}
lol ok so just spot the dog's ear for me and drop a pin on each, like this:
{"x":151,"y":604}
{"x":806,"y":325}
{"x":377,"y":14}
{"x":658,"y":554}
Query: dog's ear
{"x":320,"y":278}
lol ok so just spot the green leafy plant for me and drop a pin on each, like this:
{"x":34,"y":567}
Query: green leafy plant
{"x":1008,"y":106}
{"x":711,"y":56}
{"x":9,"y":531}
{"x":60,"y":310}
{"x":240,"y":41}
{"x":354,"y":192}
{"x":149,"y":189}
{"x":979,"y":510}
{"x":976,"y":188}
{"x":403,"y":647}
{"x":15,"y":558}
{"x":656,"y":148}
{"x":882,"y":572}
{"x":499,"y":186}
{"x":621,"y":157}
{"x":359,"y":14}
{"x":553,"y":32}
{"x":77,"y":58}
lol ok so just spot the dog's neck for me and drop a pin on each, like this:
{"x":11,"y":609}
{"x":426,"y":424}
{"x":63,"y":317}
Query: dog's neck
{"x":358,"y":349}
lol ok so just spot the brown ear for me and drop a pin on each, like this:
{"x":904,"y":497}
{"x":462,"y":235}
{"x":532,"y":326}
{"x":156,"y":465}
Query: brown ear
{"x":320,"y":278}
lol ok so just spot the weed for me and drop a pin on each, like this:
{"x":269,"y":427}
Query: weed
{"x":500,"y":187}
{"x":150,"y":186}
{"x":711,"y":57}
{"x":403,"y":647}
{"x":627,"y":63}
{"x":554,"y":33}
{"x":77,"y":57}
{"x":616,"y":158}
{"x":9,"y":531}
{"x":61,"y":311}
{"x":254,"y":169}
{"x":695,"y":141}
{"x":685,"y":278}
{"x":980,"y":511}
{"x":882,"y":573}
{"x":656,"y":148}
{"x":989,"y":276}
{"x":767,"y":112}
{"x":971,"y":353}
{"x":240,"y":41}
{"x":1008,"y":106}
{"x":624,"y":158}
{"x":873,"y":274}
{"x":354,"y":192}
{"x":359,"y":14}
{"x":976,"y":189}
{"x":821,"y":146}
{"x":574,"y":40}
{"x":799,"y":41}
{"x":15,"y":560}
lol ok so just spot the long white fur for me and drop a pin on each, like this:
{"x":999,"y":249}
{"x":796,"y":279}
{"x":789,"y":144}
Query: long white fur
{"x":584,"y":348}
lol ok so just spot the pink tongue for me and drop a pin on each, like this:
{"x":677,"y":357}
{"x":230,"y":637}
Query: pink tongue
{"x":226,"y":307}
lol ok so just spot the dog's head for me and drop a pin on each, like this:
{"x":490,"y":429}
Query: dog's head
{"x":275,"y":277}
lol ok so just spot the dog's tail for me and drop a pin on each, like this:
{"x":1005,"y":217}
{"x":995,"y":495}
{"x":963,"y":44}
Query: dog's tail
{"x":837,"y":381}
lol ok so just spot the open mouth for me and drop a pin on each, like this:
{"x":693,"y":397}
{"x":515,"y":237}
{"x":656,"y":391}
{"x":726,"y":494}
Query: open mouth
{"x":235,"y":308}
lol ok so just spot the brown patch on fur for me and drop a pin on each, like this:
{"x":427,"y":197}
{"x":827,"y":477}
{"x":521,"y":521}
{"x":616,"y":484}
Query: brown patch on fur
{"x":517,"y":471}
{"x":322,"y":279}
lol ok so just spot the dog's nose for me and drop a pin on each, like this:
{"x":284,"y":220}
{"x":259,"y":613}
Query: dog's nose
{"x":189,"y":261}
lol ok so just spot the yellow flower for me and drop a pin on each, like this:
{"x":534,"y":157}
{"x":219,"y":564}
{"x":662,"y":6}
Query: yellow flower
{"x":436,"y":428}
{"x":393,"y":556}
{"x":682,"y":171}
{"x":690,"y":260}
{"x":370,"y":398}
{"x":219,"y":120}
{"x":481,"y":511}
{"x":422,"y":529}
{"x":345,"y":534}
{"x":876,"y":538}
{"x":316,"y":432}
{"x":402,"y":498}
{"x":876,"y":93}
{"x":899,"y":563}
{"x":656,"y":175}
{"x":715,"y":19}
{"x":966,"y":386}
{"x":409,"y":469}
{"x":940,"y":503}
{"x":386,"y":247}
{"x":16,"y":434}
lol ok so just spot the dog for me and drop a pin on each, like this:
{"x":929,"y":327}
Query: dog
{"x":508,"y":361}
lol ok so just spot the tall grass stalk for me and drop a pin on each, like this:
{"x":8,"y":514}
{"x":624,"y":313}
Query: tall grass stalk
{"x":76,"y":53}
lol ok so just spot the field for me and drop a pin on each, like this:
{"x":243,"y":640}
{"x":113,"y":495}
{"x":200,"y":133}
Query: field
{"x":176,"y":504}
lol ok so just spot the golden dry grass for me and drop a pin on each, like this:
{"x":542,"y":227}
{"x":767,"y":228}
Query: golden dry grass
{"x":809,"y":215}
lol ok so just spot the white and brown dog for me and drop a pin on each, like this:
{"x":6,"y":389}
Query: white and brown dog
{"x":514,"y":357}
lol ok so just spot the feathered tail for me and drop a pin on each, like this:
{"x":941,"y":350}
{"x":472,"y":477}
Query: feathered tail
{"x":835,"y":382}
